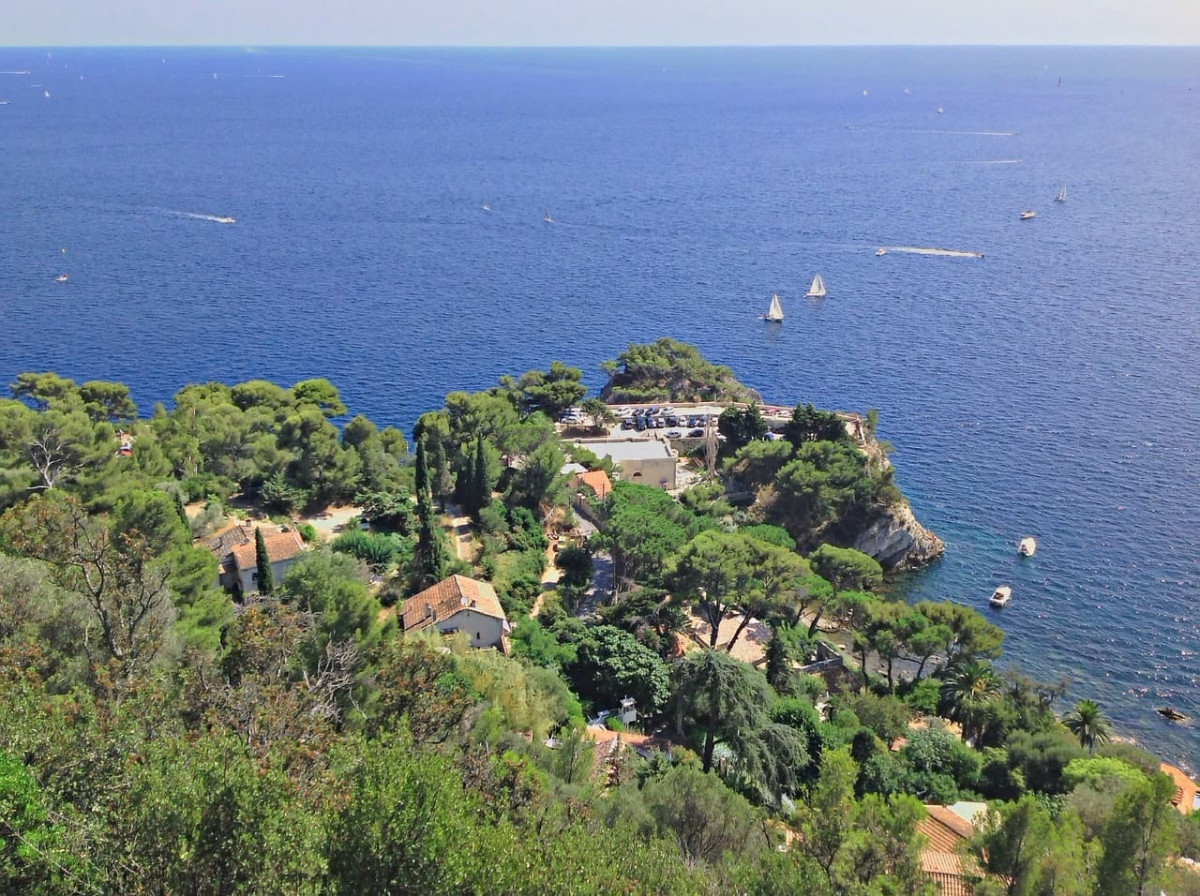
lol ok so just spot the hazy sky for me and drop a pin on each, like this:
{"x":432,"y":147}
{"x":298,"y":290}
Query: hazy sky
{"x":597,"y":22}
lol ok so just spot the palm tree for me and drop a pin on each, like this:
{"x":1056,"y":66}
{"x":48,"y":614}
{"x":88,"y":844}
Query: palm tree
{"x":971,"y":688}
{"x":1088,"y":724}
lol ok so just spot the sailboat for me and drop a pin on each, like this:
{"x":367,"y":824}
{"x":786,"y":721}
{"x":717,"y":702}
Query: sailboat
{"x":1062,"y":194}
{"x":546,"y":217}
{"x":817,"y":290}
{"x":775,"y":312}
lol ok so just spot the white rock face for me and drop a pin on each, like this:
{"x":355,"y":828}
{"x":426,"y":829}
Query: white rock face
{"x":898,"y":541}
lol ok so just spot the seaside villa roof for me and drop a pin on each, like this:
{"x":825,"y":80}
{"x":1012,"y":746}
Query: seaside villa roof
{"x":630,"y":449}
{"x":281,"y":547}
{"x":447,"y":597}
{"x":945,"y":828}
{"x":596,"y":480}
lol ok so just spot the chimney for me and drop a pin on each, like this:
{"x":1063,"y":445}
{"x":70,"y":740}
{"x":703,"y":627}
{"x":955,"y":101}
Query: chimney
{"x":428,"y":611}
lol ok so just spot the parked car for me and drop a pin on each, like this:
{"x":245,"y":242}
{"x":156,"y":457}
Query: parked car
{"x":659,"y":423}
{"x":695,"y":433}
{"x":674,"y":434}
{"x":640,"y":423}
{"x":627,"y":423}
{"x":672,"y":421}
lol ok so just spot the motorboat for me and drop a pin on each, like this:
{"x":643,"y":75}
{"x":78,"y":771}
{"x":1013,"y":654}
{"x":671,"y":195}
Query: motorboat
{"x":880,"y":251}
{"x":1027,"y":214}
{"x":1027,"y":546}
{"x":225,"y":220}
{"x":1171,"y":714}
{"x":61,"y":278}
{"x":1001,"y":596}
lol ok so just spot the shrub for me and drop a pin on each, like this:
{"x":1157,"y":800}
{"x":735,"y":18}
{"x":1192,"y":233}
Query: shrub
{"x":614,"y":723}
{"x":308,"y":532}
{"x":922,"y":696}
{"x":377,"y":550}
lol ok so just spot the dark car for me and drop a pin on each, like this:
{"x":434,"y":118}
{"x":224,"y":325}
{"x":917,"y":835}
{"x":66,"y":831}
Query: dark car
{"x":640,"y":423}
{"x":695,"y":433}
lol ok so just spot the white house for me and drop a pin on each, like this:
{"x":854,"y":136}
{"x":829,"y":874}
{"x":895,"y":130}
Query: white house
{"x":459,"y":604}
{"x":282,"y":550}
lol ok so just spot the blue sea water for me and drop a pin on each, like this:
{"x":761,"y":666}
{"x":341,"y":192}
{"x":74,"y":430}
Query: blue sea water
{"x":1050,"y":388}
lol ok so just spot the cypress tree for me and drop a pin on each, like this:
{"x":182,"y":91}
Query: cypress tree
{"x":430,"y":555}
{"x":422,"y":482}
{"x":266,"y":577}
{"x":779,"y":663}
{"x":481,"y":487}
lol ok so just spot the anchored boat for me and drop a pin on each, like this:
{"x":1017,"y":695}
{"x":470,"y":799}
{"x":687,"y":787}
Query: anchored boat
{"x":1001,"y":596}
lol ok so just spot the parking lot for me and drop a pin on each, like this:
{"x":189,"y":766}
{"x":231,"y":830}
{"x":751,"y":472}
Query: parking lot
{"x":667,"y":421}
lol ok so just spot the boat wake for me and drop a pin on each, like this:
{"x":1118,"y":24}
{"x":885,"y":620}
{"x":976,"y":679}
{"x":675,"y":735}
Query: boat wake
{"x":976,"y":133}
{"x":922,"y":250}
{"x":195,"y":216}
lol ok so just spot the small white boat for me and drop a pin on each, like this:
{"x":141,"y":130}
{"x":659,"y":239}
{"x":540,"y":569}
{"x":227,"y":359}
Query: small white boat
{"x":817,"y":290}
{"x":486,"y":207}
{"x":1027,"y":214}
{"x":1027,"y":546}
{"x":61,"y":278}
{"x":225,"y":220}
{"x":940,"y":110}
{"x":1062,"y":194}
{"x":1001,"y":596}
{"x":546,"y":218}
{"x":775,"y":312}
{"x":880,"y":251}
{"x":47,"y":94}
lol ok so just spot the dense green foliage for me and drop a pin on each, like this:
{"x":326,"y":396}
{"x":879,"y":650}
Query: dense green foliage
{"x":667,"y":370}
{"x":152,"y":740}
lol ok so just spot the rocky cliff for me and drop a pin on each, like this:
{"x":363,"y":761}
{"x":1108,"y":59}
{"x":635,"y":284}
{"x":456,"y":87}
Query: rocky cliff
{"x":897,"y":540}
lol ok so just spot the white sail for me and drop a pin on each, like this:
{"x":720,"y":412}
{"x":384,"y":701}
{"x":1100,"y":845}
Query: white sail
{"x":1062,"y":194}
{"x":775,"y":312}
{"x":817,"y":290}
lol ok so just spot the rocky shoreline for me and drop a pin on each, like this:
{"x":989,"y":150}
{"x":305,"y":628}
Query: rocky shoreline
{"x":896,"y":538}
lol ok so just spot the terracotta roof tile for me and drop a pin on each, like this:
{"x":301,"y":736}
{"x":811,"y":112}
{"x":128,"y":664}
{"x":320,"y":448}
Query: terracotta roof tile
{"x":597,"y":480}
{"x":280,"y":546}
{"x":448,"y":597}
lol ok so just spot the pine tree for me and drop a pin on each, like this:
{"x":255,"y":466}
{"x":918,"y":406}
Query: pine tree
{"x":266,"y":576}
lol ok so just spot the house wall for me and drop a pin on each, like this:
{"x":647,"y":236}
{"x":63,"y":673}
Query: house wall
{"x":656,"y":471}
{"x":482,"y":630}
{"x":249,"y":577}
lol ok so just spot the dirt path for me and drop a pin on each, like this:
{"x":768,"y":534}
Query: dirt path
{"x":459,"y":526}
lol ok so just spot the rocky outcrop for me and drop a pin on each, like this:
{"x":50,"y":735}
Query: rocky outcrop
{"x":897,"y":540}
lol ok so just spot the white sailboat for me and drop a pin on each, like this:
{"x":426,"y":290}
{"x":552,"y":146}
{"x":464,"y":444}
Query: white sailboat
{"x":775,"y":312}
{"x":1062,"y":194}
{"x":546,"y":217}
{"x":817,"y":290}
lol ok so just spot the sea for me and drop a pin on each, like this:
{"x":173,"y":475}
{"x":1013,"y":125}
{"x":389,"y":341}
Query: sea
{"x":1036,"y":377}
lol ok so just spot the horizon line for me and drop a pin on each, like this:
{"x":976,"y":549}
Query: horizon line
{"x":551,"y":46}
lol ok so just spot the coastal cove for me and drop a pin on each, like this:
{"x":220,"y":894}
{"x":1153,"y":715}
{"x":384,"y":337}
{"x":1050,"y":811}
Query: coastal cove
{"x":1048,"y":388}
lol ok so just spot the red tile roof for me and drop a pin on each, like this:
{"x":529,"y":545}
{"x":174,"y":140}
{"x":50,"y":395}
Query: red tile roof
{"x":448,"y":597}
{"x":281,"y":546}
{"x":941,"y":860}
{"x":597,"y":480}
